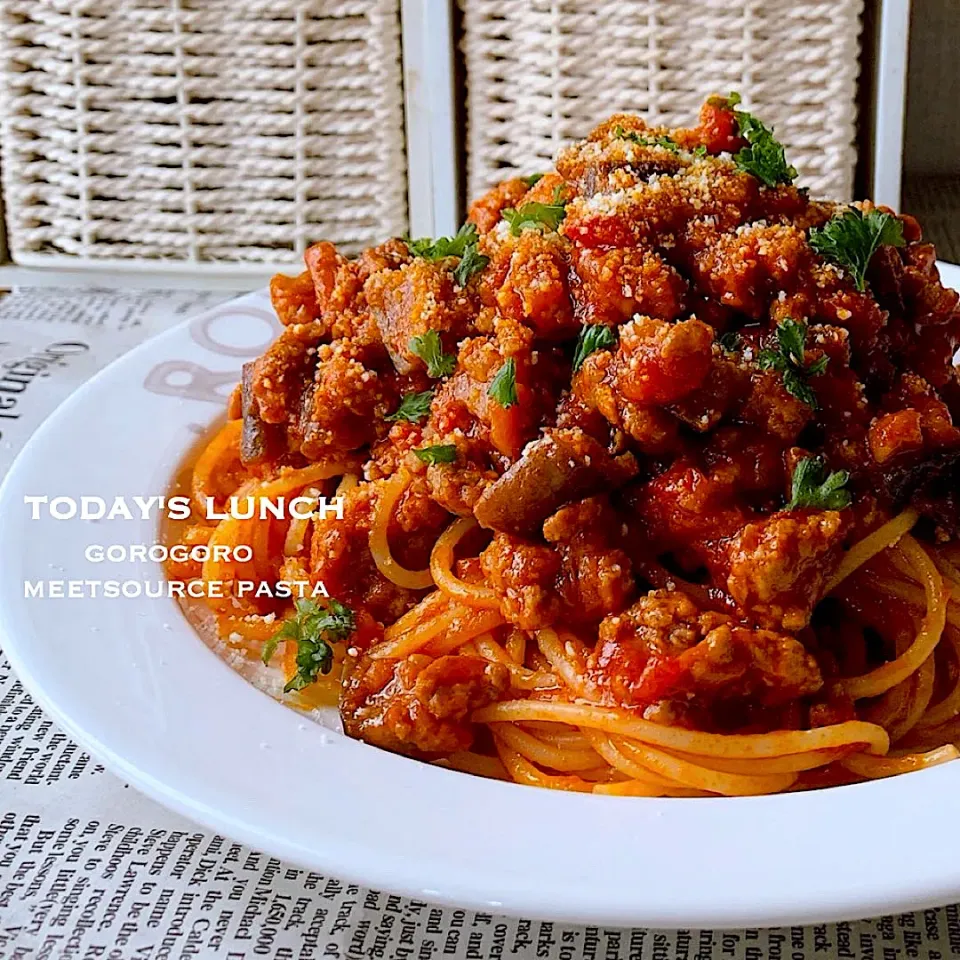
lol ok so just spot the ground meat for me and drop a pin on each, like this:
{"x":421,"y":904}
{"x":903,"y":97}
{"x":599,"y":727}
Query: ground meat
{"x":354,"y":389}
{"x":418,"y":706}
{"x":616,"y":284}
{"x":486,"y":210}
{"x":294,"y":298}
{"x":407,"y":302}
{"x":664,"y":647}
{"x":582,"y":576}
{"x":778,"y":565}
{"x":523,"y":575}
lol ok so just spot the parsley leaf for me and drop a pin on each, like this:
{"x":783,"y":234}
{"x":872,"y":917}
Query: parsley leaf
{"x":658,"y":141}
{"x":463,"y":245}
{"x":812,"y":489}
{"x":533,"y":179}
{"x":470,"y":263}
{"x":413,"y":407}
{"x":313,"y":628}
{"x":851,"y":239}
{"x":430,"y":350}
{"x":430,"y":249}
{"x":787,"y":358}
{"x":593,"y":336}
{"x":536,"y":215}
{"x":700,"y":151}
{"x":442,"y":453}
{"x":503,"y":387}
{"x":764,"y":157}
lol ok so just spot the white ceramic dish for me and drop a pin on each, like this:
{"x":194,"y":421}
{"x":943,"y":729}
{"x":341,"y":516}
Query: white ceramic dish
{"x":130,"y":681}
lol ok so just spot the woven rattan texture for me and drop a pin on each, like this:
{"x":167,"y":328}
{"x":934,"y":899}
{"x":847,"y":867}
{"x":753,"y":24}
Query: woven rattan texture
{"x":543,"y":72}
{"x":200,"y":130}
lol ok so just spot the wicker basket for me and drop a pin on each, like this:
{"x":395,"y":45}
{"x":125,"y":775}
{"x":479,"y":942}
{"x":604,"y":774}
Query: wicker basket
{"x":200,"y":130}
{"x":542,"y":72}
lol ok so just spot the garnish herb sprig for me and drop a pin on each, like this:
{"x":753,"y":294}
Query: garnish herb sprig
{"x":536,"y":216}
{"x":413,"y":407}
{"x":441,"y":453}
{"x":787,"y":358}
{"x":503,"y":387}
{"x":592,"y":337}
{"x":764,"y":157}
{"x":814,"y":489}
{"x":851,"y":239}
{"x":462,"y":245}
{"x":430,"y":350}
{"x":314,"y":629}
{"x":656,"y":141}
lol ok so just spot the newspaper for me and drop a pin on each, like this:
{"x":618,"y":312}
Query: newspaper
{"x":90,"y":868}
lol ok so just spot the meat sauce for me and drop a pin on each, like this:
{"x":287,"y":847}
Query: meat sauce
{"x":727,"y":350}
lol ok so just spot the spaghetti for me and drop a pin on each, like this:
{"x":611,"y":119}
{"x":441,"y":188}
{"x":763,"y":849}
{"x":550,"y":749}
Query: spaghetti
{"x":622,"y":511}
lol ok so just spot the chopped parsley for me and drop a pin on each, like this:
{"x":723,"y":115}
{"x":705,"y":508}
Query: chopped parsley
{"x":812,"y":489}
{"x":851,"y":239}
{"x":430,"y":350}
{"x":313,"y":628}
{"x":764,"y":156}
{"x":463,"y":245}
{"x":413,"y":407}
{"x":442,"y":453}
{"x":787,"y":358}
{"x":470,"y":263}
{"x":503,"y":387}
{"x":658,"y":141}
{"x":533,"y":179}
{"x":536,"y":216}
{"x":700,"y":151}
{"x":430,"y":249}
{"x":593,"y":336}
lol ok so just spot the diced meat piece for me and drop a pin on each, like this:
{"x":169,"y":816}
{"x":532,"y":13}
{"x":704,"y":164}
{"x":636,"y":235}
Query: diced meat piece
{"x":564,"y":465}
{"x":773,"y":409}
{"x":280,"y":375}
{"x":595,"y":386}
{"x":580,"y":578}
{"x":294,"y":298}
{"x":486,"y":211}
{"x":596,"y":577}
{"x":664,"y":646}
{"x":779,"y":564}
{"x":742,"y":270}
{"x":418,"y":706}
{"x":389,"y":255}
{"x":659,"y":362}
{"x":259,"y":440}
{"x":721,"y":393}
{"x":616,"y":284}
{"x":524,"y":577}
{"x":354,"y":389}
{"x":334,"y":277}
{"x":408,"y":302}
{"x":534,"y":289}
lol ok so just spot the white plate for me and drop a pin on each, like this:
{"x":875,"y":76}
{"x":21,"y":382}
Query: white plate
{"x":132,"y":683}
